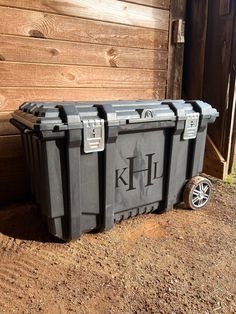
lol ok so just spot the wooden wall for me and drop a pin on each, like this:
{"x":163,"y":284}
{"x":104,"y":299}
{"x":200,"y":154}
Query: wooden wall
{"x":77,"y":50}
{"x":210,"y":74}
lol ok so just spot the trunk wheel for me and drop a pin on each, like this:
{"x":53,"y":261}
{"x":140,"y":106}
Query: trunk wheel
{"x":197,"y":192}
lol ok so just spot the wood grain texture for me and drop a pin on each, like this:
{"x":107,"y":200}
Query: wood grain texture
{"x":176,"y":53}
{"x":6,"y":128}
{"x":217,"y":72}
{"x":214,"y":164}
{"x":63,"y":52}
{"x":232,"y":102}
{"x":103,"y":10}
{"x":163,"y":4}
{"x":224,"y":7}
{"x":12,"y":98}
{"x":54,"y":50}
{"x":29,"y":74}
{"x":230,"y":121}
{"x":13,"y":185}
{"x":195,"y":49}
{"x":44,"y":25}
{"x":209,"y":74}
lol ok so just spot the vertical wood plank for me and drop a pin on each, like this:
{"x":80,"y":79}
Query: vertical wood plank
{"x":231,"y":125}
{"x":196,"y":29}
{"x":224,"y":7}
{"x":217,"y":72}
{"x":176,"y":52}
{"x":209,"y":71}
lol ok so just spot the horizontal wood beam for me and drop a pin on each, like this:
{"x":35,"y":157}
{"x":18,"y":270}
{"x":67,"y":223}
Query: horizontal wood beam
{"x":40,"y":25}
{"x":64,"y":52}
{"x":104,"y":10}
{"x":162,"y":4}
{"x":44,"y":75}
{"x":12,"y":98}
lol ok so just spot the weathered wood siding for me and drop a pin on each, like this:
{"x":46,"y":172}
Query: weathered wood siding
{"x":210,"y":73}
{"x":76,"y":50}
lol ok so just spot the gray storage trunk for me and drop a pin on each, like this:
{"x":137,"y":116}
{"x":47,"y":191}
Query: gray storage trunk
{"x":94,"y":163}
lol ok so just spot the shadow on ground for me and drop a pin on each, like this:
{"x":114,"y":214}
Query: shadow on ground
{"x":23,"y":221}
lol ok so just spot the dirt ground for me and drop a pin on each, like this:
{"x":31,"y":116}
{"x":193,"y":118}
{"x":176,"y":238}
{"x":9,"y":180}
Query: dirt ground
{"x":181,"y":261}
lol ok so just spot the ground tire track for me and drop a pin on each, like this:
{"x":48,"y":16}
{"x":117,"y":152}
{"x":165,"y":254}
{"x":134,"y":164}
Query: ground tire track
{"x":51,"y":256}
{"x":10,"y":294}
{"x":17,"y":271}
{"x":8,"y":245}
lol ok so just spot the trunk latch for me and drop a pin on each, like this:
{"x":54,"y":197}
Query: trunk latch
{"x":191,"y":126}
{"x":93,"y":135}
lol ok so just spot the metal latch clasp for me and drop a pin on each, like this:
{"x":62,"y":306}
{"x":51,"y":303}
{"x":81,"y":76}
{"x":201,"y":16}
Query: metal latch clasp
{"x":93,"y":135}
{"x":191,"y":126}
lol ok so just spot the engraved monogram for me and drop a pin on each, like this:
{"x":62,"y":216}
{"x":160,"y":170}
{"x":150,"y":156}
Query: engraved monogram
{"x":125,"y":176}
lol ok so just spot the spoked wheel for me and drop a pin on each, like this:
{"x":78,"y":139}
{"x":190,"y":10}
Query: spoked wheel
{"x":197,"y":192}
